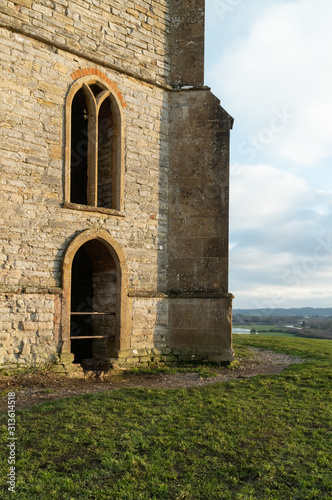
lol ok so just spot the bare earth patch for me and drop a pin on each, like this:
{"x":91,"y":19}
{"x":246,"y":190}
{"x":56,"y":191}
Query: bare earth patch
{"x":36,"y":388}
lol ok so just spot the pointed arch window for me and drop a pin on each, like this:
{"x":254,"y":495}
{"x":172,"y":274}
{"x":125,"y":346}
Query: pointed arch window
{"x":94,"y":159}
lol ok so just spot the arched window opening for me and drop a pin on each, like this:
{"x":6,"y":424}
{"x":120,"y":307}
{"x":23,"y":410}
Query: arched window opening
{"x":105,"y":148}
{"x":79,"y":150}
{"x":94,"y":153}
{"x":96,"y":89}
{"x":93,"y":305}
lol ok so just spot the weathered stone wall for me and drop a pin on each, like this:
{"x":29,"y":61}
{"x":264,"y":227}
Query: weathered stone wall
{"x":29,"y":328}
{"x":187,"y":43}
{"x":32,"y":170}
{"x":150,"y":315}
{"x":200,"y":313}
{"x":200,"y":328}
{"x":129,"y":35}
{"x":172,"y":229}
{"x":36,"y":228}
{"x":198,"y":194}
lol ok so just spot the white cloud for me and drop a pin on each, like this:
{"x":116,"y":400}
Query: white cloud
{"x":262,"y":280}
{"x":262,"y":195}
{"x":274,"y":76}
{"x":281,"y":241}
{"x":283,"y":62}
{"x":310,"y":292}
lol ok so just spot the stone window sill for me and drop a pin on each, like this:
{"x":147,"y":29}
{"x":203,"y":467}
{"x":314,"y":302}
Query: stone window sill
{"x":87,"y":208}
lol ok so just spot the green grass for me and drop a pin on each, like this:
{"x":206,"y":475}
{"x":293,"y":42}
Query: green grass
{"x":267,"y":437}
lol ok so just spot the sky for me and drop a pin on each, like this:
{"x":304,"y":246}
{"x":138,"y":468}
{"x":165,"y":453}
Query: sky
{"x":269,"y":62}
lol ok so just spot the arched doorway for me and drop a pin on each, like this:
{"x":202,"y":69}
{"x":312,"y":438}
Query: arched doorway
{"x":93,"y":304}
{"x":96,"y":319}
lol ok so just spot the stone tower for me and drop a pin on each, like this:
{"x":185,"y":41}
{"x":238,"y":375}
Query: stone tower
{"x":113,"y":186}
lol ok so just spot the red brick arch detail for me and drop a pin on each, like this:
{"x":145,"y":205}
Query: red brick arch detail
{"x":94,"y":71}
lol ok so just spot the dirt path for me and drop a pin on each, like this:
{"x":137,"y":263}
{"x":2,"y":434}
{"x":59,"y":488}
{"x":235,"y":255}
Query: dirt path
{"x":36,"y":388}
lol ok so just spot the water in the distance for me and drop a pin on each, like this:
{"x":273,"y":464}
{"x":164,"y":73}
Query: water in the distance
{"x":241,"y":330}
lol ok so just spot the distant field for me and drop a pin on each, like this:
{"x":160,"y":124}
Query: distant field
{"x":264,"y":330}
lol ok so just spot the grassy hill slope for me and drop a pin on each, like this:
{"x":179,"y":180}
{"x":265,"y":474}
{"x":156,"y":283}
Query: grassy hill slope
{"x":267,"y":437}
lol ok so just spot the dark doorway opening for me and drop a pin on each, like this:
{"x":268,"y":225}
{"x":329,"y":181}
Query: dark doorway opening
{"x":93,"y":305}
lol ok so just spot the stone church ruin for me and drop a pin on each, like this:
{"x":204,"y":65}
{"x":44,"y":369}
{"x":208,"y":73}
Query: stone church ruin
{"x":114,"y":186}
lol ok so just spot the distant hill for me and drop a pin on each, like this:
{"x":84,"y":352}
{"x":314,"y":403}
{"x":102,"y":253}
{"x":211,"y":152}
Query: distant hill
{"x":294,"y":311}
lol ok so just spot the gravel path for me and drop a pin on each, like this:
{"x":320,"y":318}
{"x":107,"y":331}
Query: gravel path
{"x":36,"y":388}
